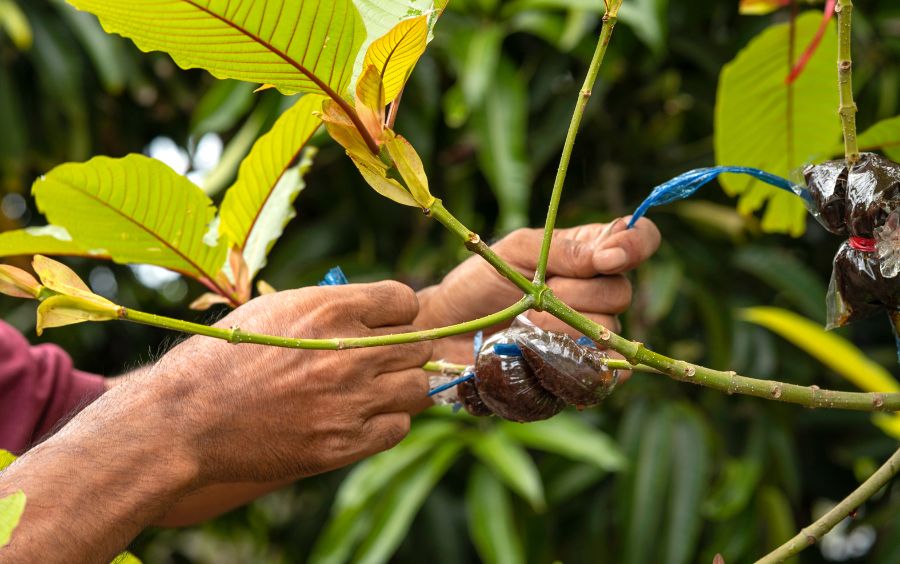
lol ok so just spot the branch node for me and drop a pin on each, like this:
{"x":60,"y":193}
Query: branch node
{"x":777,"y":390}
{"x":877,"y":401}
{"x":732,"y":382}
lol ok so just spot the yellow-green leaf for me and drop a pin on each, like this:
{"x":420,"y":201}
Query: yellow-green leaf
{"x":6,"y":458}
{"x":753,"y":127}
{"x":136,"y":210}
{"x":344,"y":131}
{"x":884,"y":136}
{"x":408,"y":163}
{"x":387,"y":187}
{"x":260,"y":203}
{"x":297,"y":46}
{"x":59,"y":277}
{"x":46,"y":240}
{"x":829,"y":348}
{"x":59,"y":311}
{"x":15,"y":24}
{"x":395,"y":54}
{"x":11,"y":509}
{"x":126,"y":558}
{"x":760,"y":7}
{"x":370,"y":102}
{"x":17,"y":283}
{"x":833,"y":351}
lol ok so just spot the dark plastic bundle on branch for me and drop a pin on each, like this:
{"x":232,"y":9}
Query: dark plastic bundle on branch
{"x":863,"y":204}
{"x":527,"y":374}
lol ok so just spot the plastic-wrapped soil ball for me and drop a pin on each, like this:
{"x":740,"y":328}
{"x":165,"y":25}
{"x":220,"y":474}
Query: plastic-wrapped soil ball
{"x":863,"y":204}
{"x":527,"y":374}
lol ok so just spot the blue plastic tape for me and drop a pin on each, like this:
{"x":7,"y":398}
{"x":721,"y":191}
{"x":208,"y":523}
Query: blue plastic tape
{"x":507,"y":349}
{"x":334,"y":277}
{"x":684,"y":185}
{"x":450,"y":384}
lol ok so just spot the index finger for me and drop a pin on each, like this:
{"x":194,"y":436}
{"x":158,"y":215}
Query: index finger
{"x":625,"y":249}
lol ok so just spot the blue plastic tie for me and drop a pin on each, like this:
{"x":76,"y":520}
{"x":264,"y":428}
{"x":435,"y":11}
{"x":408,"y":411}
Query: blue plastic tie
{"x":451,"y":383}
{"x":477,"y":343}
{"x":334,"y":277}
{"x":684,"y":185}
{"x":585,"y":341}
{"x":507,"y":349}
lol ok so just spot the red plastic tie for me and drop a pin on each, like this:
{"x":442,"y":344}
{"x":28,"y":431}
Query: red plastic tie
{"x":864,"y":244}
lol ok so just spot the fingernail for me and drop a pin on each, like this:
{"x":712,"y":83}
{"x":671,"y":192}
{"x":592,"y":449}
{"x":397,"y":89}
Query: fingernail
{"x":610,"y":259}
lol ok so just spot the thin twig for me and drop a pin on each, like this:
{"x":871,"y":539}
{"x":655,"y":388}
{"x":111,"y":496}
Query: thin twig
{"x":814,"y":533}
{"x":609,"y":22}
{"x":847,"y":109}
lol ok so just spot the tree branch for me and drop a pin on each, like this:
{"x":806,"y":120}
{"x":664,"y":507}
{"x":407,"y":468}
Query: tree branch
{"x":847,"y":109}
{"x":609,"y":22}
{"x":236,"y":336}
{"x":813,"y":533}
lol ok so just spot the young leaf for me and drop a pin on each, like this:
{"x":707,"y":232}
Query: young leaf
{"x":395,"y":54}
{"x":491,"y":519}
{"x":11,"y":509}
{"x":512,"y":464}
{"x":207,"y":300}
{"x":753,"y":127}
{"x":297,"y":46}
{"x":17,"y":283}
{"x":59,"y":311}
{"x":370,"y":102}
{"x":343,"y":130}
{"x":260,"y":203}
{"x":59,"y":277}
{"x":410,"y":166}
{"x":137,"y":209}
{"x":46,"y":240}
{"x":376,"y":177}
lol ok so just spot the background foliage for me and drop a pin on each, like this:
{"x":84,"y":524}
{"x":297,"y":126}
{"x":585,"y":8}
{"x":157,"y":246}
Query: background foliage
{"x":663,"y":471}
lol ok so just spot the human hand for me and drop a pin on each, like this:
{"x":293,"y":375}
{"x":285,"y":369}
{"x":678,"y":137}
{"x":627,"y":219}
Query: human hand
{"x":259,"y":413}
{"x":585,"y":270}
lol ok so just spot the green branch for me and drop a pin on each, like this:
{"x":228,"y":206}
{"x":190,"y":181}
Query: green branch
{"x":847,"y":109}
{"x":813,"y":533}
{"x":237,"y":336}
{"x":609,"y":22}
{"x":728,"y":382}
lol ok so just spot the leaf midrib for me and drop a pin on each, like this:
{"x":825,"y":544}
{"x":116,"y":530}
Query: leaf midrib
{"x":284,"y":56}
{"x":147,"y":229}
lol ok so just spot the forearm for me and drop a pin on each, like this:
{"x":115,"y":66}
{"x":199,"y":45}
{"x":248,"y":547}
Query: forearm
{"x":96,"y":484}
{"x":212,"y":501}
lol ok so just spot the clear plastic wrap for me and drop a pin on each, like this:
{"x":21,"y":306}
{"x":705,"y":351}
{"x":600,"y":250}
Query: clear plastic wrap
{"x":527,"y":374}
{"x":862,"y":204}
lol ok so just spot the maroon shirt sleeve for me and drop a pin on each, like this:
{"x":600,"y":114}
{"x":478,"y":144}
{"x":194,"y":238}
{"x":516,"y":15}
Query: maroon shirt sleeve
{"x":38,"y":387}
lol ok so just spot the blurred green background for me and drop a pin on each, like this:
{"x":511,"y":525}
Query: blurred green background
{"x":662,"y":472}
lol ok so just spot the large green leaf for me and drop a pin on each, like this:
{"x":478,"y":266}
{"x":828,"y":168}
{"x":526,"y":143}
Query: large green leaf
{"x":512,"y":464}
{"x":260,"y":203}
{"x":651,"y":481}
{"x":690,"y":475}
{"x":11,"y":509}
{"x":884,"y":136}
{"x":136,"y":210}
{"x":571,"y":437}
{"x":297,"y":46}
{"x":753,"y":125}
{"x":395,"y":514}
{"x":365,"y":482}
{"x":491,"y":519}
{"x":47,"y":240}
